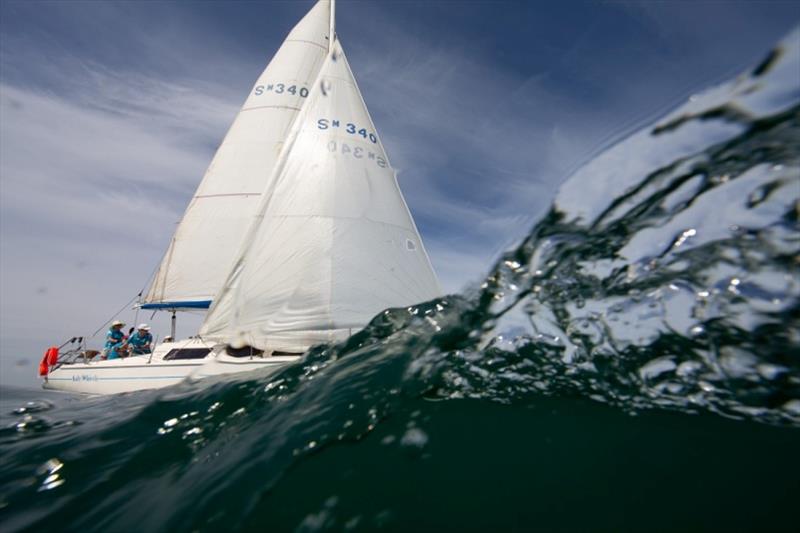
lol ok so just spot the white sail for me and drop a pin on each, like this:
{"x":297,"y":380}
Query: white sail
{"x":211,"y":230}
{"x":335,"y":243}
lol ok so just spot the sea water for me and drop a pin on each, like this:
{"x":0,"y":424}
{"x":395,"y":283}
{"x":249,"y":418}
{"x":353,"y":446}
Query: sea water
{"x":633,"y":364}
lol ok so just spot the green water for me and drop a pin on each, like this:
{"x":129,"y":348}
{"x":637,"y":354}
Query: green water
{"x":558,"y":464}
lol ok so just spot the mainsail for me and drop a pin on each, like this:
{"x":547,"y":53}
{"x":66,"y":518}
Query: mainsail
{"x":334,"y":242}
{"x":210,"y":233}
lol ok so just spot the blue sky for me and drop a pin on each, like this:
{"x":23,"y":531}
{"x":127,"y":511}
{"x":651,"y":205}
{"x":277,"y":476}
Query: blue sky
{"x":111,"y":111}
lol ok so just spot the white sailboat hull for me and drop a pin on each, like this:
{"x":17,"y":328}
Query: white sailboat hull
{"x":123,"y":375}
{"x":143,"y":372}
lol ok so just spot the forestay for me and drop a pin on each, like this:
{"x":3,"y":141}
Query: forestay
{"x":211,"y":231}
{"x":336,"y":243}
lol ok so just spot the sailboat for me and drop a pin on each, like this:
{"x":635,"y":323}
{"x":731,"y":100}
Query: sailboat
{"x":297,"y":235}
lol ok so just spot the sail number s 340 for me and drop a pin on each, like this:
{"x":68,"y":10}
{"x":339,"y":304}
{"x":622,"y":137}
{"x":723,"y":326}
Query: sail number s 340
{"x":349,"y":127}
{"x":280,"y":88}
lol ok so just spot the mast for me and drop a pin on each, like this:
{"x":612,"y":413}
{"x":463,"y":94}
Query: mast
{"x":332,"y":32}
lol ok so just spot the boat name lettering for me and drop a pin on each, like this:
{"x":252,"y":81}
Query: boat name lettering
{"x":357,"y":152}
{"x":350,"y":128}
{"x":84,"y":377}
{"x":280,"y":88}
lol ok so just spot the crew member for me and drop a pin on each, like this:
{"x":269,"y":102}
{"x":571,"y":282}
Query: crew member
{"x":141,"y":341}
{"x":115,"y":339}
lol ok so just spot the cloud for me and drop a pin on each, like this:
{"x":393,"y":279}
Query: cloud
{"x":93,"y":183}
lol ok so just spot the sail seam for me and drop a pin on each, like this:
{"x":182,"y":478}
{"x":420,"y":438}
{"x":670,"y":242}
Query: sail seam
{"x":406,"y":228}
{"x":270,"y":107}
{"x":305,"y":41}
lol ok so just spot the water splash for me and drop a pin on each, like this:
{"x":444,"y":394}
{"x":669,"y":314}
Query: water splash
{"x":680,"y":292}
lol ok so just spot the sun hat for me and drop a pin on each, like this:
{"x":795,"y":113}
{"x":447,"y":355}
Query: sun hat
{"x":117,"y":323}
{"x":144,"y":327}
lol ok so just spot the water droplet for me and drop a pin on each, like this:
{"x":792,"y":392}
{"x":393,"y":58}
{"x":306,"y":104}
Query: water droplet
{"x":52,"y":480}
{"x":414,"y":438}
{"x":352,"y":523}
{"x":52,"y":484}
{"x":757,"y":196}
{"x":51,"y":466}
{"x":687,"y":368}
{"x":33,"y":407}
{"x":706,"y":386}
{"x":691,"y":232}
{"x":657,"y":367}
{"x":792,"y":406}
{"x":697,"y":330}
{"x":734,"y":285}
{"x":770,"y":371}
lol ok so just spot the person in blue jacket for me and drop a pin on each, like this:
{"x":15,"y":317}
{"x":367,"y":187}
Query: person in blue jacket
{"x":141,"y":342}
{"x":115,"y":339}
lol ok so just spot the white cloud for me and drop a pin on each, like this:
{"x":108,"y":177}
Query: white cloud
{"x":92,"y":183}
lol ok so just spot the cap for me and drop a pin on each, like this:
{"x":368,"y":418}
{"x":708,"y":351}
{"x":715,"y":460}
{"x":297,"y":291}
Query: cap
{"x":144,"y":327}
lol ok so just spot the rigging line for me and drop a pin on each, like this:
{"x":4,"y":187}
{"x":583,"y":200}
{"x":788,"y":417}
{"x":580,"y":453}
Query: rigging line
{"x":115,"y":314}
{"x":147,"y":281}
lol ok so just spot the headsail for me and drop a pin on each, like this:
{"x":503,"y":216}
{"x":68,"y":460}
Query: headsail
{"x":335,"y":243}
{"x":210,"y":233}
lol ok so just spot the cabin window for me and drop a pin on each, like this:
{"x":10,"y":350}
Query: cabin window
{"x":246,"y":351}
{"x":186,"y":353}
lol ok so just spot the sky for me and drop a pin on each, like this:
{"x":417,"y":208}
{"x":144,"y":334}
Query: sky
{"x":111,"y":111}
